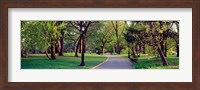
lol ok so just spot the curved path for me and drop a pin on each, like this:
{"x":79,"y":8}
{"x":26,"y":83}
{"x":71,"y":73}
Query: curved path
{"x":115,"y":62}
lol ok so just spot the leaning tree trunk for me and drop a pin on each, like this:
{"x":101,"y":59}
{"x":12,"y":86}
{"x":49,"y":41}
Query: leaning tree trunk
{"x":162,"y":56}
{"x":162,"y":47}
{"x":53,"y":54}
{"x":46,"y":52}
{"x":61,"y":44}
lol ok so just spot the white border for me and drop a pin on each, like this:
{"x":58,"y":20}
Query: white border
{"x":183,"y":74}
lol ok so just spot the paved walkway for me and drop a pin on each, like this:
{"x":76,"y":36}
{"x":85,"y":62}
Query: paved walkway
{"x":115,"y":62}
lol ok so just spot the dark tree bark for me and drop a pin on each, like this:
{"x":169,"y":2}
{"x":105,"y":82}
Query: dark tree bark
{"x":165,"y":51}
{"x":61,"y":44}
{"x":77,"y":47}
{"x":53,"y":54}
{"x":33,"y":51}
{"x":143,"y":49}
{"x":103,"y":45}
{"x":177,"y":50}
{"x":163,"y":48}
{"x":26,"y":53}
{"x":22,"y":54}
{"x":128,"y":50}
{"x":80,"y":45}
{"x":46,"y":52}
{"x":82,"y":53}
{"x":162,"y":55}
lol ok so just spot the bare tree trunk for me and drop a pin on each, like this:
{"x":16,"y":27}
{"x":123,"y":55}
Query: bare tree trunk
{"x":128,"y":50}
{"x":82,"y":44}
{"x":53,"y":56}
{"x":46,"y":52}
{"x":143,"y":49}
{"x":77,"y":47}
{"x":22,"y":53}
{"x":26,"y":53}
{"x":33,"y":51}
{"x":103,"y":45}
{"x":165,"y":52}
{"x":61,"y":44}
{"x":162,"y":56}
{"x":117,"y":48}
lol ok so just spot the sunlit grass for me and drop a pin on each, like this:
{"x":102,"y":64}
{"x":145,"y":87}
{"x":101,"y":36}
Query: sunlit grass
{"x":148,"y":62}
{"x":68,"y":61}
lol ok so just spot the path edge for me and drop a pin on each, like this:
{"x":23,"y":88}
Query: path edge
{"x":100,"y":63}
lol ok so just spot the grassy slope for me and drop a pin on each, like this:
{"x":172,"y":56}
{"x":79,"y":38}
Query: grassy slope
{"x":145,"y":62}
{"x":68,"y":61}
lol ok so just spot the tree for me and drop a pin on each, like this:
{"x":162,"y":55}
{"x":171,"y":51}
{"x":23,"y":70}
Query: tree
{"x":104,"y":35}
{"x":61,"y":26}
{"x":118,"y":26}
{"x":155,"y":28}
{"x":175,"y":35}
{"x":82,"y":27}
{"x":132,"y":38}
{"x":135,"y":37}
{"x":40,"y":35}
{"x":30,"y":37}
{"x":74,"y":36}
{"x":152,"y":33}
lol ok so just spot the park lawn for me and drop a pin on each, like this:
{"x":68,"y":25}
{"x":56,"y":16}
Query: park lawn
{"x":146,"y":62}
{"x":68,"y":61}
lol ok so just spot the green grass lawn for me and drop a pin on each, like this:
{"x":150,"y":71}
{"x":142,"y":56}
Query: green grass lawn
{"x":68,"y":61}
{"x":147,"y":62}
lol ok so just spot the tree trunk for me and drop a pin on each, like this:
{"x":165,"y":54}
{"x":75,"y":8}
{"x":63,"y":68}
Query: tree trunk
{"x":46,"y":52}
{"x":162,"y":45}
{"x":128,"y":50}
{"x":26,"y":53}
{"x":143,"y":49}
{"x":103,"y":45}
{"x":133,"y":51}
{"x":77,"y":47}
{"x":61,"y":44}
{"x":53,"y":54}
{"x":117,"y":48}
{"x":82,"y":44}
{"x":165,"y":53}
{"x":177,"y":50}
{"x":162,"y":56}
{"x":22,"y":53}
{"x":33,"y":51}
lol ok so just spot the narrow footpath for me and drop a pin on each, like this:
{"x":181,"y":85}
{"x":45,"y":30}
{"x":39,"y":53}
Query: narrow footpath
{"x":115,"y":62}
